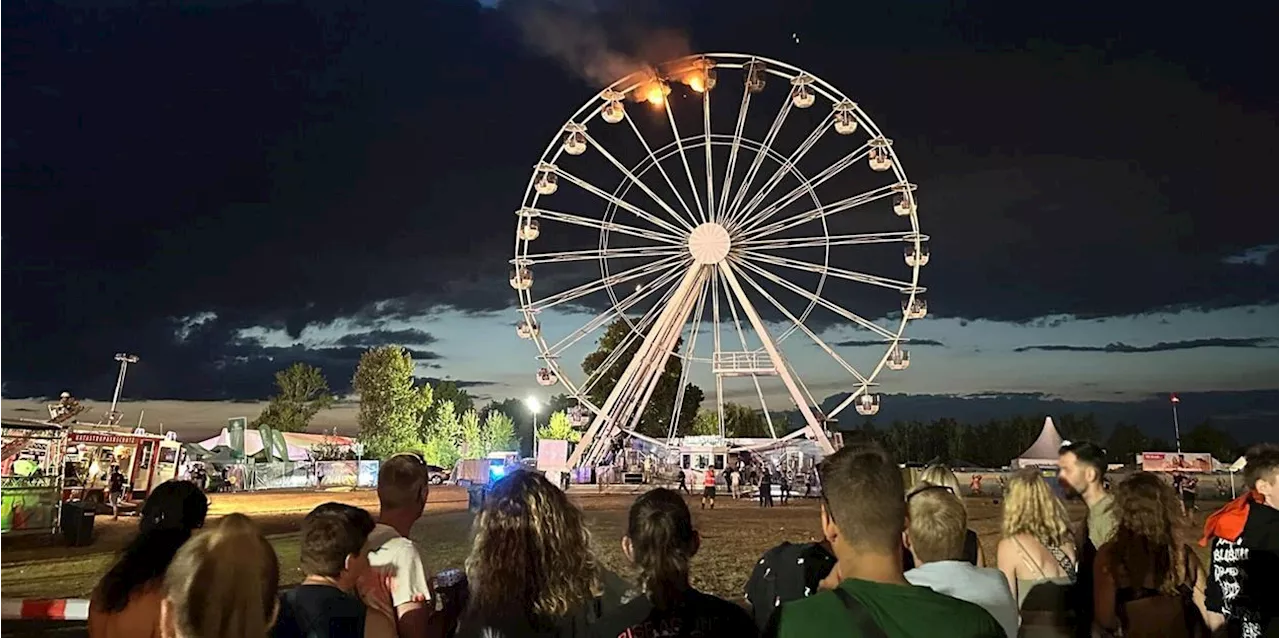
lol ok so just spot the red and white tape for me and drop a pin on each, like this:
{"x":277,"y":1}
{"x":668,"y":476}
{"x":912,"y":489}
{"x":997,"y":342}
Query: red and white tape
{"x":60,"y":609}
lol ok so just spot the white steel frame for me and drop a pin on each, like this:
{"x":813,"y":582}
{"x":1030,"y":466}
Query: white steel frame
{"x":730,"y":253}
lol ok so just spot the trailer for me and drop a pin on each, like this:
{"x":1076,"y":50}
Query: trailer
{"x":145,"y":459}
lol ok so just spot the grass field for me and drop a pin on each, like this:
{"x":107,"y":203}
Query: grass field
{"x":735,"y":534}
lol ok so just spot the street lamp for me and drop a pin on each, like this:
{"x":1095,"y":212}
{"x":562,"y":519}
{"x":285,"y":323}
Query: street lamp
{"x":532,"y":404}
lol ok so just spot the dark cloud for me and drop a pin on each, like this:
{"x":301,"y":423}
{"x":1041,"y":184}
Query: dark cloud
{"x":408,"y":336}
{"x":307,"y":177}
{"x":1163,"y":346}
{"x":459,"y":383}
{"x":856,"y":343}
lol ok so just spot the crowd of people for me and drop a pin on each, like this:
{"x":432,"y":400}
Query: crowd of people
{"x":894,"y":561}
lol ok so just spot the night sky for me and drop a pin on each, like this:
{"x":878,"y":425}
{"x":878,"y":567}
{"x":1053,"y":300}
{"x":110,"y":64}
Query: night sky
{"x":226,"y":187}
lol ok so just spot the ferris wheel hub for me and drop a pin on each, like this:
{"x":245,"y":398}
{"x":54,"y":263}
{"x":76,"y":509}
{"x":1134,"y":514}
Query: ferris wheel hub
{"x":709,"y":244}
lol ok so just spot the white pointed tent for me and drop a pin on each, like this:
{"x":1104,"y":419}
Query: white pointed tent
{"x":1044,"y":452}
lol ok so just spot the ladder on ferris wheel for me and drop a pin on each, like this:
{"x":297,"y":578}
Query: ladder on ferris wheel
{"x":740,"y":364}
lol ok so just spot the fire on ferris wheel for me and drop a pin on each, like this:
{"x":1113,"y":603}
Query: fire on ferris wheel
{"x":716,"y":244}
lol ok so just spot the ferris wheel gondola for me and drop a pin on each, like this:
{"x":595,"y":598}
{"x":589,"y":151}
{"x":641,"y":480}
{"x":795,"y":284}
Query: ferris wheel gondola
{"x":720,"y":250}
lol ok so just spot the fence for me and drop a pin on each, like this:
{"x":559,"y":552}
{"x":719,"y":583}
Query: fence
{"x":300,"y":475}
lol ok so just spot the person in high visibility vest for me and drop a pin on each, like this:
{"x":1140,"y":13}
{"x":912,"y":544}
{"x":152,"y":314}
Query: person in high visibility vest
{"x":709,"y":488}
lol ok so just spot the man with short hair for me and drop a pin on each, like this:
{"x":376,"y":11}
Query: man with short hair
{"x":709,"y":487}
{"x":936,"y":528}
{"x":863,"y":518}
{"x":399,"y":585}
{"x":1082,"y":470}
{"x":332,"y":559}
{"x":1241,"y":592}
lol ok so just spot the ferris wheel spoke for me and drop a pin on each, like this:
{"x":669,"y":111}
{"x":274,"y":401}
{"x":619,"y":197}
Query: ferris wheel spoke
{"x":782,"y":170}
{"x":840,"y":206}
{"x":625,"y":304}
{"x":839,"y":310}
{"x":742,"y":338}
{"x":639,"y":183}
{"x":759,"y":158}
{"x":706,"y":148}
{"x":600,"y":284}
{"x":597,"y":254}
{"x":715,"y":347}
{"x":858,"y":239}
{"x":632,"y":335}
{"x":733,"y":154}
{"x":613,"y":227}
{"x":684,"y":159}
{"x":904,"y":287}
{"x":657,"y":164}
{"x":619,"y":202}
{"x":688,"y":359}
{"x":803,"y":328}
{"x":812,"y":183}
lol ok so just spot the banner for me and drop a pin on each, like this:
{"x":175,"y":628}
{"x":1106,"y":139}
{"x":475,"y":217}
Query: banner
{"x":1175,"y":462}
{"x":337,"y":473}
{"x":235,"y":432}
{"x":282,"y":475}
{"x":553,"y":454}
{"x":368,"y":474}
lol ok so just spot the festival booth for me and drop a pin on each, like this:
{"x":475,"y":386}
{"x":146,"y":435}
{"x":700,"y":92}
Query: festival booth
{"x":30,"y":477}
{"x":1043,"y":453}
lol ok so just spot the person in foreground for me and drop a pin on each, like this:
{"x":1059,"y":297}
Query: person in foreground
{"x":126,"y":603}
{"x":531,"y":572}
{"x":1241,"y":537}
{"x":1082,"y":473}
{"x":332,"y":559}
{"x":222,"y":583}
{"x":936,"y":536}
{"x":660,"y":541}
{"x":1147,"y":582}
{"x":398,"y":585}
{"x":1038,"y":557}
{"x":864,"y":517}
{"x":942,"y":476}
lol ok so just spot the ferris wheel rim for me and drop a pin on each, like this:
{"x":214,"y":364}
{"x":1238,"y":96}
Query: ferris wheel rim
{"x":593,"y":106}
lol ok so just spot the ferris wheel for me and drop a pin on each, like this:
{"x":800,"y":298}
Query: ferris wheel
{"x":716,"y":240}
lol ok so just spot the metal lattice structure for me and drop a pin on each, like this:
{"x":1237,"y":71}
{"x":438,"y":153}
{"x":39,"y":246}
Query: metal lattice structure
{"x":697,"y":231}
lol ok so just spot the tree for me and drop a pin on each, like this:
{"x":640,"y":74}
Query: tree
{"x":472,"y":439}
{"x":449,"y":391}
{"x":707,"y":423}
{"x":559,"y":428}
{"x":1206,"y":437}
{"x":498,"y":432}
{"x":741,"y":421}
{"x":1125,"y":443}
{"x":302,"y":393}
{"x":655,"y":421}
{"x":391,"y":407}
{"x":518,"y":413}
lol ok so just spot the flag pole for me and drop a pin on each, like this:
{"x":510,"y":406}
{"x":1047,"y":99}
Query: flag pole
{"x":1177,"y":437}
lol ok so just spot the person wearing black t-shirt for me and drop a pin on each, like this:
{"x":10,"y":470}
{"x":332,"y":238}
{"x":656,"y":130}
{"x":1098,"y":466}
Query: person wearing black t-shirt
{"x":1241,"y":592}
{"x":660,"y":542}
{"x":788,"y":572}
{"x":332,"y":558}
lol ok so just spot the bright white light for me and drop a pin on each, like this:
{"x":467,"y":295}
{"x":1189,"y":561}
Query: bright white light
{"x":532,"y":404}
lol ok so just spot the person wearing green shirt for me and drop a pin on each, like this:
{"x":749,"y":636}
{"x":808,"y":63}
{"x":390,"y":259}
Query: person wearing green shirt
{"x":864,"y":515}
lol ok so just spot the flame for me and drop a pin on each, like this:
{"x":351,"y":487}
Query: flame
{"x":697,"y":82}
{"x":654,"y":94}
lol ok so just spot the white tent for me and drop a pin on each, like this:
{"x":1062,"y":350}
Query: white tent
{"x":253,"y":444}
{"x":1044,"y":452}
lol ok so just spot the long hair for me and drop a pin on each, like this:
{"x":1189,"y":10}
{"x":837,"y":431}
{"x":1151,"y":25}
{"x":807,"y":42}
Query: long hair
{"x":224,"y":582}
{"x":662,"y":543}
{"x":1031,"y":508}
{"x":941,"y":476}
{"x":1145,"y":547}
{"x":169,"y":515}
{"x":531,"y":553}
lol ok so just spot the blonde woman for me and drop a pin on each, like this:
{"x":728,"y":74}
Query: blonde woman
{"x":531,"y":572}
{"x":1037,"y":554}
{"x":221,"y":584}
{"x":942,"y":476}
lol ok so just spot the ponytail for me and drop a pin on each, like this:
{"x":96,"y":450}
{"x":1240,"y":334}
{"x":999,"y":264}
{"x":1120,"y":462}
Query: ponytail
{"x":223,"y":583}
{"x":663,"y":541}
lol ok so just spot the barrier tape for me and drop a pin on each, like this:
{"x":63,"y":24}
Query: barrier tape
{"x":59,"y":609}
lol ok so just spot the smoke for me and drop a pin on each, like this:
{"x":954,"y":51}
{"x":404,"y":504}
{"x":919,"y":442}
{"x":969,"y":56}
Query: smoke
{"x":600,"y":41}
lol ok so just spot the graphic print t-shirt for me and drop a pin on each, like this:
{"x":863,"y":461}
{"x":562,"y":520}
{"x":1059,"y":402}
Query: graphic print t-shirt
{"x":698,"y":616}
{"x":1243,"y":575}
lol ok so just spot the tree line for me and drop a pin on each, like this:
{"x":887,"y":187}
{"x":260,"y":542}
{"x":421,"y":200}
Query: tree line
{"x":398,"y":413}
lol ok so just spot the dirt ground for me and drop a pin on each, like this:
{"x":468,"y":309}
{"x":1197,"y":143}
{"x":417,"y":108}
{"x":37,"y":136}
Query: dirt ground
{"x":734,"y":534}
